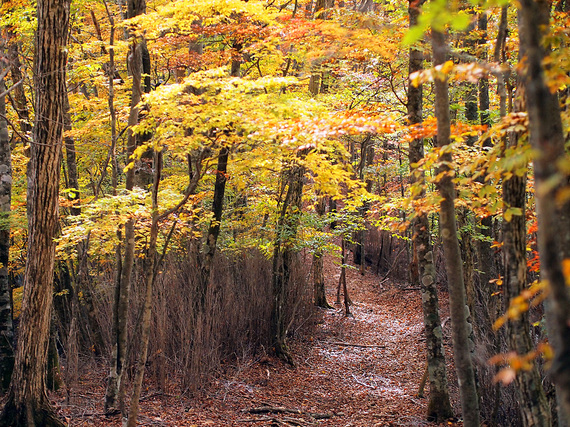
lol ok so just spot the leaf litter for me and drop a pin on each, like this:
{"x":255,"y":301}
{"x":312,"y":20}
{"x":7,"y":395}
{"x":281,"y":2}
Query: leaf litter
{"x":356,"y":371}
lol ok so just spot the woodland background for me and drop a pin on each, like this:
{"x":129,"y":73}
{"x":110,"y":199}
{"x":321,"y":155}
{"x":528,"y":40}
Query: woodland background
{"x":185,"y":159}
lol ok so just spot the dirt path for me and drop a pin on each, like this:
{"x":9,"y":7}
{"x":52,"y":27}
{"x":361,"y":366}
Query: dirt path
{"x":334,"y":384}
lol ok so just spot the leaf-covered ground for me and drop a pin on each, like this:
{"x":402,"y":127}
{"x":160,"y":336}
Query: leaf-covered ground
{"x":354,"y":371}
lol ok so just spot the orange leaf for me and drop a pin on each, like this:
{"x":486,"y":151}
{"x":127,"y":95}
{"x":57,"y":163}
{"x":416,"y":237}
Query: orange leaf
{"x":505,"y":376}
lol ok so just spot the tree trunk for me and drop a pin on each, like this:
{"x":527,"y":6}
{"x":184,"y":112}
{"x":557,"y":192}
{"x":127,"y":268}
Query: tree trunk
{"x":319,"y":294}
{"x":150,"y":276}
{"x":487,"y":294}
{"x":547,"y":138}
{"x":20,"y":103}
{"x":453,"y":263}
{"x":27,"y":403}
{"x":88,"y":326}
{"x":6,"y":325}
{"x":439,"y":406}
{"x":283,"y":257}
{"x":342,"y":280}
{"x":214,"y":229}
{"x":114,"y":396}
{"x":534,"y":407}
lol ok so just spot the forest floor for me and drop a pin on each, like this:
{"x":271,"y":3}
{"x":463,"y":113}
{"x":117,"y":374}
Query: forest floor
{"x":363,"y":370}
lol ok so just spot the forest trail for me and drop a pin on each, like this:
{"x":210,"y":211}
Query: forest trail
{"x":335,"y":383}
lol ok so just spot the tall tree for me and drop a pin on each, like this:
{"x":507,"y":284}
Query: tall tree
{"x":114,"y":396}
{"x":6,"y":324}
{"x":27,"y":403}
{"x":439,"y":406}
{"x":534,"y":407}
{"x":150,"y":276}
{"x":283,"y":256}
{"x":547,"y":138}
{"x":453,"y":263}
{"x":533,"y":404}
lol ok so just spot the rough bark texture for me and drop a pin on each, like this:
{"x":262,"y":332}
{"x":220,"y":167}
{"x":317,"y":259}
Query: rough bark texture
{"x":27,"y":403}
{"x":439,"y":406}
{"x":547,"y":139}
{"x":6,"y":325}
{"x":453,"y":263}
{"x":534,"y":407}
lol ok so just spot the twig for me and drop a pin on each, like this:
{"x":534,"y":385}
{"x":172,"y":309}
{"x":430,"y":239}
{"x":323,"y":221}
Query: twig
{"x":254,"y":420}
{"x":87,"y":415}
{"x":11,"y":88}
{"x":283,"y":410}
{"x":22,"y":137}
{"x":295,"y":421}
{"x":346,"y":344}
{"x":274,"y":409}
{"x":363,"y":383}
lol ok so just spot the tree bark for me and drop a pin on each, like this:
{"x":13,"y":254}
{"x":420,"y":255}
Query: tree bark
{"x":6,"y":325}
{"x":453,"y":263}
{"x":534,"y":407}
{"x":439,"y":406}
{"x":547,"y":138}
{"x":27,"y":403}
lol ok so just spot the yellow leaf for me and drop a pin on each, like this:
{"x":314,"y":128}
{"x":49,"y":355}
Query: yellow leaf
{"x":499,"y":322}
{"x":447,"y":67}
